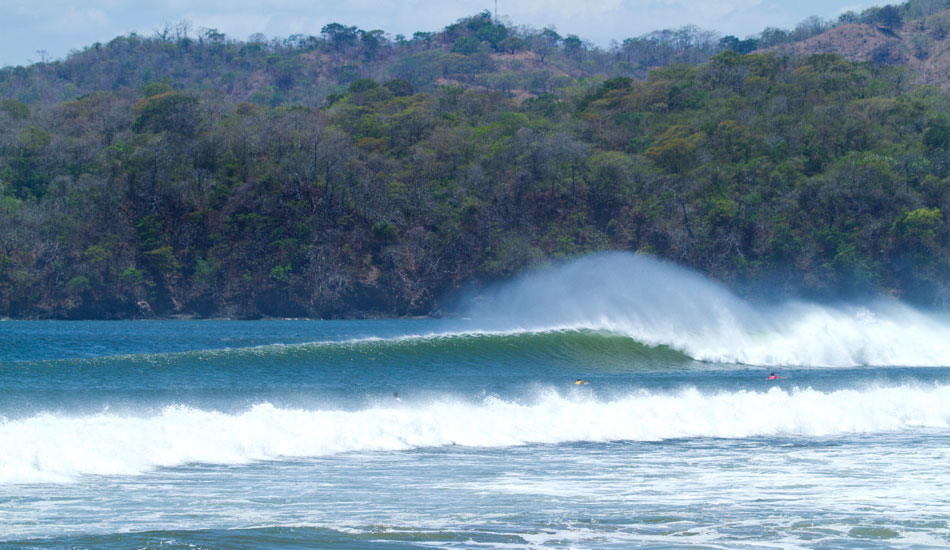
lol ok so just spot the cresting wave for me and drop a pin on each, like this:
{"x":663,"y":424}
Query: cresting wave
{"x":660,"y":304}
{"x":630,"y":309}
{"x":475,"y":347}
{"x":56,"y":448}
{"x":800,"y":335}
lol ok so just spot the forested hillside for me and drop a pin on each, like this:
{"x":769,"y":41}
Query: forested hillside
{"x":799,"y":175}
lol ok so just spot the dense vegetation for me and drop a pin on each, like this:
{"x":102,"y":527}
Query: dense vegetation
{"x":814,"y":176}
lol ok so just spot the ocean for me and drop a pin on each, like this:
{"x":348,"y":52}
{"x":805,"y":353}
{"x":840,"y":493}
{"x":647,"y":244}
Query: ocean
{"x":471,"y":432}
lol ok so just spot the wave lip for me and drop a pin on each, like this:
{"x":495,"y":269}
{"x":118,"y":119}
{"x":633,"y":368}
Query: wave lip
{"x":56,"y":448}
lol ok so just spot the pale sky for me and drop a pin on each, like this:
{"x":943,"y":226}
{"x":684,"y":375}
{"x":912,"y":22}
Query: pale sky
{"x":59,"y":26}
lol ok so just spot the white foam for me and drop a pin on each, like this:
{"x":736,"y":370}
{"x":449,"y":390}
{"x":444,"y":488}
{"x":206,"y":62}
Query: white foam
{"x":658,"y":303}
{"x":56,"y":448}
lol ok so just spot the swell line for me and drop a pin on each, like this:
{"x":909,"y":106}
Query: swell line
{"x":474,"y":347}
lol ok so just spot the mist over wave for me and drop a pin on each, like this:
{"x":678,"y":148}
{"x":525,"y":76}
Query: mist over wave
{"x":658,"y":303}
{"x":57,"y":448}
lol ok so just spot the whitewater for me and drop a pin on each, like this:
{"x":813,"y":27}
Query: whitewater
{"x":471,"y":432}
{"x":109,"y":444}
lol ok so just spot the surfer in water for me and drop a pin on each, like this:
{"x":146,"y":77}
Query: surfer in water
{"x":771,"y":376}
{"x":396,"y":396}
{"x":579,"y":382}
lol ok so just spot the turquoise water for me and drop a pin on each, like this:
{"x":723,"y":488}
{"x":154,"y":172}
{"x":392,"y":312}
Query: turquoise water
{"x":286,"y":434}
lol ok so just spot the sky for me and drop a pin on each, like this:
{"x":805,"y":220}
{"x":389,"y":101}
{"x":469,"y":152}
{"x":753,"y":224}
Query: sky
{"x":43,"y":30}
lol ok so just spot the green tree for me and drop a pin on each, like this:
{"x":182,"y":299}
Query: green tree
{"x":15,"y":109}
{"x":919,"y":227}
{"x":340,"y":36}
{"x":168,"y":112}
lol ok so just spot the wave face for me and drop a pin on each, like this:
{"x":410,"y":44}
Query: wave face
{"x":469,"y":347}
{"x":363,"y":362}
{"x":659,"y":304}
{"x":51,"y":447}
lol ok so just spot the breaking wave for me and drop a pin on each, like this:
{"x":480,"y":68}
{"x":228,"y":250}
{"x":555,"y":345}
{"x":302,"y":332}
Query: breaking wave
{"x":657,"y":303}
{"x":52,"y":447}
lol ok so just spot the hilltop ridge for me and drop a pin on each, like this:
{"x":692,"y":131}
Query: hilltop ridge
{"x":921,"y":45}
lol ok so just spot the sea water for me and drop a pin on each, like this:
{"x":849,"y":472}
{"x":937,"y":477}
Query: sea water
{"x":288,"y":434}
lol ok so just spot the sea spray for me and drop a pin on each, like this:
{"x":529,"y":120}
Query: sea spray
{"x":57,"y":448}
{"x":658,"y":303}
